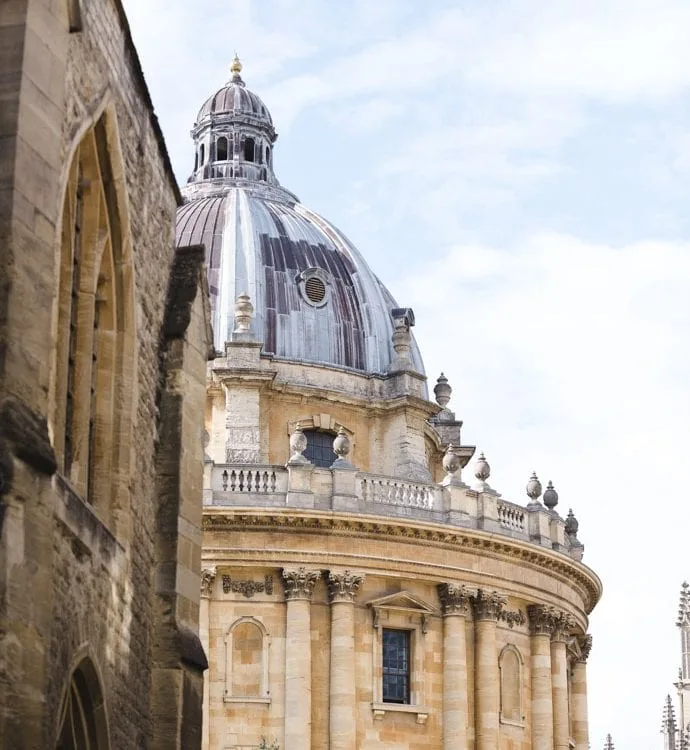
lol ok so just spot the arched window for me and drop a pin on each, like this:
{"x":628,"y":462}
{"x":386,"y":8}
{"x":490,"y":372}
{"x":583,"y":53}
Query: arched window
{"x":202,"y":154}
{"x":268,"y":154}
{"x":319,"y":449}
{"x":249,"y":149}
{"x":83,"y":721}
{"x":222,"y":149}
{"x":246,"y":673}
{"x":94,"y":330}
{"x":510,"y":667}
{"x":196,"y":162}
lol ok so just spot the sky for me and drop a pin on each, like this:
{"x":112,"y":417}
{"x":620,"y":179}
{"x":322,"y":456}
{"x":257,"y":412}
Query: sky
{"x":516,"y":172}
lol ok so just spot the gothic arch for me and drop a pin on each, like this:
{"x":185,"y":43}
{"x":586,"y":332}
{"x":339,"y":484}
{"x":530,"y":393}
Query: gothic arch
{"x":510,"y":665}
{"x":94,"y":331}
{"x":83,"y":718}
{"x":247,"y":646}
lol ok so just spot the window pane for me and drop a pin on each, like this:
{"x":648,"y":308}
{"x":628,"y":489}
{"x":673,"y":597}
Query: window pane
{"x":319,"y":448}
{"x":396,"y":666}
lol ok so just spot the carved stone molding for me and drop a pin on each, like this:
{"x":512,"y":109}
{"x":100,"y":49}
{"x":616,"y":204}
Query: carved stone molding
{"x":343,"y":587}
{"x":299,"y":583}
{"x":455,"y":599}
{"x":208,"y":576}
{"x":513,"y":618}
{"x":427,"y":534}
{"x":248,"y":587}
{"x":488,"y":605}
{"x":544,"y":620}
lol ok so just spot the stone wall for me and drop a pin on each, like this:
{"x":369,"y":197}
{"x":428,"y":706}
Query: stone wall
{"x":79,"y":586}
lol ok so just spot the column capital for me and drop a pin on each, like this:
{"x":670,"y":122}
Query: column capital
{"x":562,"y":627}
{"x":455,"y":599}
{"x":208,"y":576}
{"x":299,"y":583}
{"x":543,"y":619}
{"x":488,"y":605}
{"x":584,"y":644}
{"x":343,"y":586}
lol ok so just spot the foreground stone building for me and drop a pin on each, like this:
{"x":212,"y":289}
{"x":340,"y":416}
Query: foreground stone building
{"x":360,"y":588}
{"x":104,"y":338}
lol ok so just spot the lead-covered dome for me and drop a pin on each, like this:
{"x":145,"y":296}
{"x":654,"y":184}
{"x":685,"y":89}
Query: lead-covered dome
{"x":315,"y":298}
{"x":235,"y":99}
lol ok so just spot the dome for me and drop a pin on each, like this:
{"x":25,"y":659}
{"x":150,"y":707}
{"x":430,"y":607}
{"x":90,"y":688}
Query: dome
{"x":315,"y":298}
{"x":237,"y":100}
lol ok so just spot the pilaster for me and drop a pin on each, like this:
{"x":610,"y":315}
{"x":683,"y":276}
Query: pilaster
{"x":208,"y":577}
{"x":559,"y":682}
{"x":542,"y":622}
{"x":579,"y":698}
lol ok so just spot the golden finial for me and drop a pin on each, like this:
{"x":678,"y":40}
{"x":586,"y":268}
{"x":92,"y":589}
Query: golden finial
{"x":236,"y":67}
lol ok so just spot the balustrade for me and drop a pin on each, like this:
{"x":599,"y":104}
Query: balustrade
{"x":511,"y":516}
{"x":395,"y":492}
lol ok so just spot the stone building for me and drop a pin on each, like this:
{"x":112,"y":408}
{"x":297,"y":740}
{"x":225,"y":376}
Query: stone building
{"x":104,"y":338}
{"x":361,"y":587}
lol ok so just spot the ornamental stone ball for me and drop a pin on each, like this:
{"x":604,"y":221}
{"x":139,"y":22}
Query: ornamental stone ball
{"x":341,"y":444}
{"x":298,"y":444}
{"x":550,"y":496}
{"x":534,"y":488}
{"x":482,"y":470}
{"x":451,"y":460}
{"x":442,"y":390}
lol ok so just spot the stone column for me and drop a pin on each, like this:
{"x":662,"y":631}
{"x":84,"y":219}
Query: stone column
{"x":488,"y":607}
{"x":342,"y":590}
{"x":542,"y":621}
{"x":455,"y":606}
{"x":208,"y":576}
{"x":559,"y":682}
{"x":299,"y":585}
{"x":579,"y":697}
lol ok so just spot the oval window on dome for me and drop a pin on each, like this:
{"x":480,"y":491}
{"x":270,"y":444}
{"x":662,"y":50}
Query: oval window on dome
{"x":313,"y":286}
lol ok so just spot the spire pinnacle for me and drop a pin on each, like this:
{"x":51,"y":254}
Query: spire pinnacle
{"x":608,"y":744}
{"x":684,"y":606}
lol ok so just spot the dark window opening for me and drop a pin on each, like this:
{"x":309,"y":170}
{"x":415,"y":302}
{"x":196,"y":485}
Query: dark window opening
{"x":202,"y":154}
{"x":315,"y":289}
{"x":319,"y":449}
{"x":268,"y":153}
{"x":222,"y":149}
{"x":249,"y":149}
{"x":196,"y":162}
{"x":396,"y":666}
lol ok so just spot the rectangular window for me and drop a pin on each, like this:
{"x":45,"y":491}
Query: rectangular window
{"x":396,"y":666}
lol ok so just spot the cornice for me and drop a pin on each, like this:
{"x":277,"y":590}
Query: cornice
{"x":216,"y":518}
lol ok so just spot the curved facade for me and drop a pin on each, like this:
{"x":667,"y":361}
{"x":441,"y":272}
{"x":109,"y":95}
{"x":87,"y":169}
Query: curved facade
{"x":361,"y":587}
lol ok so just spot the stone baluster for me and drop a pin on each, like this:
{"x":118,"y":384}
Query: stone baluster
{"x":208,"y":577}
{"x":299,"y":585}
{"x":559,"y":681}
{"x":455,"y":606}
{"x":342,"y":590}
{"x":488,"y":607}
{"x":579,"y":695}
{"x":542,"y":622}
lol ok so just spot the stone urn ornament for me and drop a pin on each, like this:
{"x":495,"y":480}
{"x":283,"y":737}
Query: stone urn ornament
{"x":451,"y":461}
{"x":534,"y":488}
{"x":298,"y":444}
{"x":342,"y":445}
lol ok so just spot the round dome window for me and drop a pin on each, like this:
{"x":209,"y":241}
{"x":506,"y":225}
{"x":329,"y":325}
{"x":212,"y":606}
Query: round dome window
{"x":313,"y":286}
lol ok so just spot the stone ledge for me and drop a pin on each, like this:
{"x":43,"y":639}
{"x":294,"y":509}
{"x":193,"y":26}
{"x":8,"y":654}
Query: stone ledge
{"x":381,"y":709}
{"x":247,"y":699}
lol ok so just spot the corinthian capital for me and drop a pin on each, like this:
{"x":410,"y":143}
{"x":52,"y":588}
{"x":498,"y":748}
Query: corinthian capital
{"x":299,"y":583}
{"x":543,"y":620}
{"x":585,"y":645}
{"x":562,"y":627}
{"x":208,"y":576}
{"x":343,"y":587}
{"x":488,"y":605}
{"x":455,"y":599}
